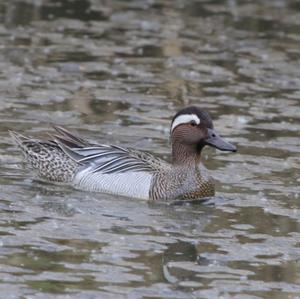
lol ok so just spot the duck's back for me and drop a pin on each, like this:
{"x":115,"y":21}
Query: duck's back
{"x":93,"y":167}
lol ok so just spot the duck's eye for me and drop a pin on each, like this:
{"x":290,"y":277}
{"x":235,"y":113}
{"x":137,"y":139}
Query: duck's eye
{"x":193,"y":123}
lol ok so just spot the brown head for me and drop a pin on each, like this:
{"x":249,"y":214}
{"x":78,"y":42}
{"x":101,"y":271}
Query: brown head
{"x":191,"y":130}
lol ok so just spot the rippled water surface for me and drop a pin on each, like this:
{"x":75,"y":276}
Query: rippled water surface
{"x":116,"y":72}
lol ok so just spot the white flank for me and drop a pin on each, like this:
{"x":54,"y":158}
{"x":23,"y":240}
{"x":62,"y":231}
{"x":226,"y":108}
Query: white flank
{"x":130,"y":184}
{"x":185,"y":119}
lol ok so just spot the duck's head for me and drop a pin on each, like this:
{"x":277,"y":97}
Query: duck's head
{"x":193,"y":128}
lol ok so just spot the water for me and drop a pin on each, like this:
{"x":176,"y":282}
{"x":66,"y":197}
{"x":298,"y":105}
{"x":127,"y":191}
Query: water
{"x":116,"y":72}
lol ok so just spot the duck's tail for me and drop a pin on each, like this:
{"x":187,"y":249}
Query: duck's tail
{"x":47,"y":158}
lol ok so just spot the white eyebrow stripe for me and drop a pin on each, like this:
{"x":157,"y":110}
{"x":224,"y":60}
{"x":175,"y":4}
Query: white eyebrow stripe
{"x":185,"y":119}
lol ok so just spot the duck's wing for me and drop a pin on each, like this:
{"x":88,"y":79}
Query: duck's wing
{"x":69,"y":138}
{"x":106,"y":158}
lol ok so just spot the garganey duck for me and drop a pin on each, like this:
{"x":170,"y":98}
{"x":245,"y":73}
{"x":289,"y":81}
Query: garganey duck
{"x":129,"y":172}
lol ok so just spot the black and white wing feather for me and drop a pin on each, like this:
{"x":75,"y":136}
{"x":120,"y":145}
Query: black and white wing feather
{"x":106,"y":159}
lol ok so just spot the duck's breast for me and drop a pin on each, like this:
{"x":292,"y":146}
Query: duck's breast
{"x":131,"y":184}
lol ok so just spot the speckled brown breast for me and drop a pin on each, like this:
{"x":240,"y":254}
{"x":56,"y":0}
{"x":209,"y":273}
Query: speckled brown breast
{"x":205,"y":189}
{"x":181,"y":183}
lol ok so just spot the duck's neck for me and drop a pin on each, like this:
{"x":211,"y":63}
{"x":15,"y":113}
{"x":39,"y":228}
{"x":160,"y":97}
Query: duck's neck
{"x":185,"y":155}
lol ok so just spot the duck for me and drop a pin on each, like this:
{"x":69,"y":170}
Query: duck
{"x":70,"y":159}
